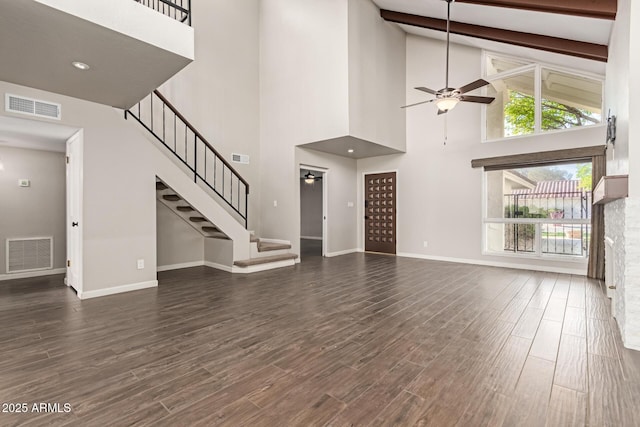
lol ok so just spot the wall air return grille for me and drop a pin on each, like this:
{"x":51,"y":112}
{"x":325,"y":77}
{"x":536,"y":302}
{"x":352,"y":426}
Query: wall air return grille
{"x":29,"y":254}
{"x":240,"y":158}
{"x":32,"y":107}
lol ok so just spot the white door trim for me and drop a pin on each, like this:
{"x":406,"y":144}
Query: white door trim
{"x":325,"y":204}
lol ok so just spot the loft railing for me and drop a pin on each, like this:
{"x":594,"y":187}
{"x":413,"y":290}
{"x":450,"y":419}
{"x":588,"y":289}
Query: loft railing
{"x":156,"y":114}
{"x":180,"y":10}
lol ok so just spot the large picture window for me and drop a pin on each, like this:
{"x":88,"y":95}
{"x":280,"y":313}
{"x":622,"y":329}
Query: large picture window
{"x":533,"y":98}
{"x":542,"y":211}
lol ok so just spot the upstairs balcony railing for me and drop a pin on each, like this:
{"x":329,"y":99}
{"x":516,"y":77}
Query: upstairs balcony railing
{"x":156,"y":114}
{"x":180,"y":10}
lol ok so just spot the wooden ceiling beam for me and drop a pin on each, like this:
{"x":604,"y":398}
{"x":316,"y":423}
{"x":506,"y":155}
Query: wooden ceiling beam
{"x":579,"y":49}
{"x":600,"y":9}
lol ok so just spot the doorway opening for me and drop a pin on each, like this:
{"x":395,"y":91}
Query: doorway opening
{"x":43,"y":196}
{"x":313,"y":211}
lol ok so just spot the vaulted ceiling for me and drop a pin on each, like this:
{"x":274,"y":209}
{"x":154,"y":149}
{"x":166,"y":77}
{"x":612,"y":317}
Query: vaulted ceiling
{"x":578,"y":28}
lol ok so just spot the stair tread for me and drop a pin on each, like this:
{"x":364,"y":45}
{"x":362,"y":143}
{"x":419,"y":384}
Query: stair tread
{"x":210,"y":229}
{"x":254,"y":239}
{"x":171,"y":197}
{"x":197,"y":219}
{"x":185,"y":209}
{"x":268,"y":246}
{"x":220,"y":236}
{"x":264,"y":260}
{"x":161,"y":186}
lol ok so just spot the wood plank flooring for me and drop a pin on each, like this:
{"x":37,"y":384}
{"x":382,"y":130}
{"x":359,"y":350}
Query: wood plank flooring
{"x":356,"y":340}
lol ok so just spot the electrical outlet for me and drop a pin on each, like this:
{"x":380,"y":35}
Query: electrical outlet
{"x":425,"y":244}
{"x":349,"y":204}
{"x":140,"y":264}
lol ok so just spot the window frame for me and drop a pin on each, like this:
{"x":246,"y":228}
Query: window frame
{"x":537,"y":68}
{"x":537,"y":254}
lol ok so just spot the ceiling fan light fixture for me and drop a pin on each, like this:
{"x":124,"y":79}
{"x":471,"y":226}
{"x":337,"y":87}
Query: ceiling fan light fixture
{"x":309,"y":178}
{"x":446,"y":104}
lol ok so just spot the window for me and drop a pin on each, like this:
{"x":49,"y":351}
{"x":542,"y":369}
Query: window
{"x":533,"y":98}
{"x":542,"y":211}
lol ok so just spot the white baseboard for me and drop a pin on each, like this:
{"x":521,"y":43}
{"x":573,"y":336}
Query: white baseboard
{"x":217,"y":266}
{"x":29,"y":274}
{"x":251,"y":269}
{"x":118,"y":289}
{"x":282,"y":242}
{"x":264,"y":267}
{"x":179,"y":266}
{"x":345,"y":252}
{"x":575,"y":271}
{"x":311,"y":238}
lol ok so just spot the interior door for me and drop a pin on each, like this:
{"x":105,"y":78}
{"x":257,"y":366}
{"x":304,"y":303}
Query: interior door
{"x":380,"y":212}
{"x":74,"y":212}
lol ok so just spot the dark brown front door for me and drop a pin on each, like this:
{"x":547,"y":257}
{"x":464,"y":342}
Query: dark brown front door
{"x":380,"y":212}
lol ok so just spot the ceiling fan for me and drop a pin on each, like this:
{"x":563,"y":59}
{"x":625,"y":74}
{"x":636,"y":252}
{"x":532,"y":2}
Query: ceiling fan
{"x":447,"y":98}
{"x":310,"y":178}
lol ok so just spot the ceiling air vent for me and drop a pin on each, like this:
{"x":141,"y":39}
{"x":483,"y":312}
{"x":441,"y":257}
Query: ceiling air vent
{"x":32,"y":107}
{"x":240,"y":158}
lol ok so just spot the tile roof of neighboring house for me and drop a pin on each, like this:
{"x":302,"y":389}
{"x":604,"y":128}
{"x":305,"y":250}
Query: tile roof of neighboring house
{"x":560,"y":188}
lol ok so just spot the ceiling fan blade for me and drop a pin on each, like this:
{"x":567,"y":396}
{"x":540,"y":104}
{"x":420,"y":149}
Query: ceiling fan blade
{"x":417,"y":103}
{"x":478,"y":99}
{"x":473,"y":85}
{"x":426,"y":89}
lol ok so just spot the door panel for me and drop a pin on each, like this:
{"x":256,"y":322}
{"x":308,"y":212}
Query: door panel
{"x":74,"y":189}
{"x":380,"y":213}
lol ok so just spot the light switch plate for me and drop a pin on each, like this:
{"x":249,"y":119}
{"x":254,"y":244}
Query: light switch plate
{"x":24,"y":183}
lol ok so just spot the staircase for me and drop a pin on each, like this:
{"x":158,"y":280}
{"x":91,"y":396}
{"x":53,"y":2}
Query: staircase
{"x":215,"y":180}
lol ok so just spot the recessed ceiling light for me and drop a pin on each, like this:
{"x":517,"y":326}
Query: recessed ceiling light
{"x":80,"y":65}
{"x":350,"y":150}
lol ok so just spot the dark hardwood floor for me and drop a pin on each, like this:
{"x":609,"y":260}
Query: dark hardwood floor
{"x":354,"y":340}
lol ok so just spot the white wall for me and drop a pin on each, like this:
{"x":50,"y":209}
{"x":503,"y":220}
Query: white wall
{"x":340,"y":176}
{"x":621,"y":217}
{"x":303,"y":98}
{"x":177,"y":242}
{"x":310,"y":209}
{"x":439,"y":194}
{"x":617,"y":89}
{"x":35,"y":211}
{"x":377,"y":64}
{"x":219,"y":92}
